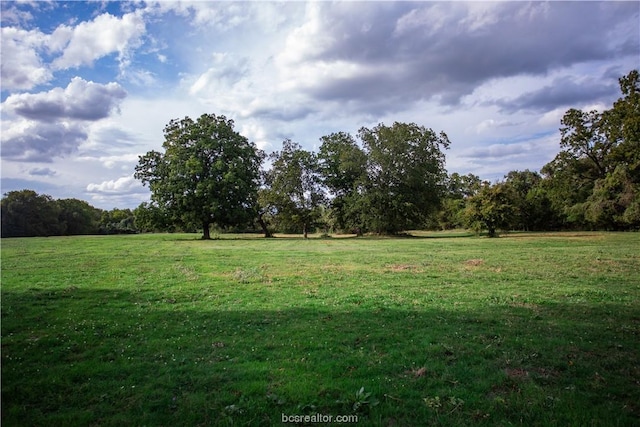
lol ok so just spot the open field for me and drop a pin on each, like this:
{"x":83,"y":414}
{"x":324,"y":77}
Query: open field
{"x":527,"y":329}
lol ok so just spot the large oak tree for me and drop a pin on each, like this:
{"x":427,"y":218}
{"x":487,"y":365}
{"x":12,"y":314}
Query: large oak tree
{"x":406,"y":175}
{"x":208,"y":173}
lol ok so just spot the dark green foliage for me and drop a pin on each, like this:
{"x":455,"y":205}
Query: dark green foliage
{"x":293,"y":192}
{"x":148,"y":217}
{"x":208,"y":173}
{"x":622,"y":124}
{"x":531,"y":206}
{"x":78,"y":217}
{"x":343,"y":167}
{"x":594,"y":181}
{"x":491,"y":209}
{"x":406,"y":175}
{"x":462,"y":186}
{"x":393,"y":183}
{"x":117,"y":221}
{"x":458,"y":188}
{"x":343,"y":164}
{"x":450,"y":215}
{"x":615,"y":201}
{"x":26,"y":214}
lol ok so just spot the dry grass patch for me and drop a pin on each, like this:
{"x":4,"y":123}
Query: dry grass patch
{"x":517,"y":373}
{"x":417,"y":373}
{"x":403,"y":268}
{"x":476,"y":262}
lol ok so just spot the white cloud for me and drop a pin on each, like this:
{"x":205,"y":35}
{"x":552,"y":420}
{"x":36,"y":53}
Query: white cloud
{"x":222,"y":16}
{"x":308,"y":40}
{"x":80,"y":100}
{"x":122,"y":185}
{"x":430,"y":19}
{"x":255,"y":133}
{"x":493,"y":161}
{"x":127,"y":160}
{"x":58,"y":40}
{"x":12,"y":15}
{"x":499,"y":151}
{"x":21,"y":66}
{"x":479,"y":16}
{"x":552,"y":118}
{"x":225,"y":71}
{"x":104,"y":35}
{"x":22,"y":62}
{"x":489,"y":125}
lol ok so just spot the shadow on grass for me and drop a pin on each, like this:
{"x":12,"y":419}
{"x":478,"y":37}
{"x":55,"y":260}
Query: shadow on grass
{"x":108,"y":357}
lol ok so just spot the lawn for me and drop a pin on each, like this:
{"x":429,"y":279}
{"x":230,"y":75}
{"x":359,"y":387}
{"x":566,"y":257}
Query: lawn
{"x":438,"y":329}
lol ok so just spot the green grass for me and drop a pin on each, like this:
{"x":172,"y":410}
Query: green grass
{"x":527,"y":329}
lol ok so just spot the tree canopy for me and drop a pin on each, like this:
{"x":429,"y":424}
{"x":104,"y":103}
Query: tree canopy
{"x":594,"y":180}
{"x":208,"y":173}
{"x":343,"y":169}
{"x":293,"y":191}
{"x":406,"y":175}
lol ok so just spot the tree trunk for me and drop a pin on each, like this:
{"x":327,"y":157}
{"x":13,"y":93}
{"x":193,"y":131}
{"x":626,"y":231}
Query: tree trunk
{"x":264,"y":227}
{"x":206,"y":235}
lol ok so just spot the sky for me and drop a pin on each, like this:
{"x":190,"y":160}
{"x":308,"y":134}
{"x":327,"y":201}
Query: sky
{"x":87,"y":87}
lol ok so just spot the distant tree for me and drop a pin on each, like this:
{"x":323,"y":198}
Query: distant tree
{"x":343,"y":164}
{"x":568,"y":182}
{"x":117,"y":221}
{"x":450,"y":215}
{"x":25,"y":213}
{"x":541,"y":214}
{"x":266,"y":211}
{"x":491,"y":209}
{"x":524,"y":212}
{"x":458,"y":188}
{"x":462,"y":186}
{"x":343,"y":169}
{"x":208,"y":173}
{"x":406,"y":175}
{"x":622,"y":124}
{"x":149,"y":217}
{"x":584,"y":137}
{"x":293,"y":192}
{"x":594,"y":146}
{"x":532,"y":208}
{"x":615,"y":202}
{"x":77,"y":217}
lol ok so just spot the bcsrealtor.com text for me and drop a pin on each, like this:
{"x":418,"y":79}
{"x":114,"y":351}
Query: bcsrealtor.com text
{"x":319,"y":418}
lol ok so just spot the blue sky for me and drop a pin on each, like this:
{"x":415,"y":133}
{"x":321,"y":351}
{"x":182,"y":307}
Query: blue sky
{"x":87,"y":87}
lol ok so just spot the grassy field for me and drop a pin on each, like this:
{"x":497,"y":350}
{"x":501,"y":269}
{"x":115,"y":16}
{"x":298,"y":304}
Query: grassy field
{"x":440,"y":329}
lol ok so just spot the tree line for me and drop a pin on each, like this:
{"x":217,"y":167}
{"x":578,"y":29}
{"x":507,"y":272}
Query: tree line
{"x":26,"y":213}
{"x":383,"y":180}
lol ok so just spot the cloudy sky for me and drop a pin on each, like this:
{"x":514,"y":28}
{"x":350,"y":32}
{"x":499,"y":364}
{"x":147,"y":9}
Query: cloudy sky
{"x":87,"y":87}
